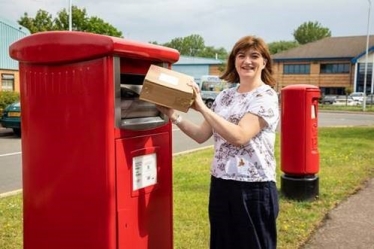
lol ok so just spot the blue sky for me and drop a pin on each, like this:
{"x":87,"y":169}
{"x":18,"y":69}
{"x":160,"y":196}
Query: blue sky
{"x":219,"y":22}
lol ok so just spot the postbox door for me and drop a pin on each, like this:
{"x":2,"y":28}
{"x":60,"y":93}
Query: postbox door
{"x":311,"y":132}
{"x":144,"y":191}
{"x":293,"y":125}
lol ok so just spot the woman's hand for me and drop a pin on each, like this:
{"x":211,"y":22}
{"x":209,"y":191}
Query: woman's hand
{"x":198,"y":104}
{"x":165,"y":110}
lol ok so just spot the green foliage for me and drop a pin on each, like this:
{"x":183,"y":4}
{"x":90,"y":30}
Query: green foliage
{"x":310,"y":31}
{"x":348,"y":90}
{"x":7,"y":98}
{"x":189,"y":45}
{"x":43,"y":21}
{"x":11,"y":222}
{"x":354,"y":108}
{"x":194,"y":45}
{"x":279,"y":46}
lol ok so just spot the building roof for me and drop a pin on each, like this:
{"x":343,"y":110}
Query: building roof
{"x":9,"y":33}
{"x":187,"y":60}
{"x":347,"y":47}
{"x":14,"y":25}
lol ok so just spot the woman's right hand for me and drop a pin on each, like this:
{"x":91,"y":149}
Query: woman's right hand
{"x":165,"y":110}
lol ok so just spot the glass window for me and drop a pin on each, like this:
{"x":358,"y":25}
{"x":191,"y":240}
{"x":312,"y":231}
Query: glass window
{"x":7,"y":82}
{"x":296,"y":69}
{"x":335,"y":68}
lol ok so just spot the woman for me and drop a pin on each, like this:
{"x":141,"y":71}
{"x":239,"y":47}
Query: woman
{"x":243,"y":201}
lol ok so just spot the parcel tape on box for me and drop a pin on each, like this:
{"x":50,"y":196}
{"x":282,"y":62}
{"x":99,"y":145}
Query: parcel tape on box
{"x":168,"y":88}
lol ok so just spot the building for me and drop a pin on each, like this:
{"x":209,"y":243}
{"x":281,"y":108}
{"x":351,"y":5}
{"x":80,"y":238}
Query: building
{"x":9,"y":33}
{"x":197,"y":66}
{"x":334,"y":64}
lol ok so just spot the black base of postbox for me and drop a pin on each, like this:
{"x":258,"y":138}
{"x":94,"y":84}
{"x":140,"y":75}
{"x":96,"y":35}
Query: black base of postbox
{"x":300,"y":188}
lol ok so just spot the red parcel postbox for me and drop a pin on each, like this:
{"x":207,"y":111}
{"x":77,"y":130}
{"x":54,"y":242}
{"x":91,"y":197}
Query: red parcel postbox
{"x":96,"y":160}
{"x":299,"y":141}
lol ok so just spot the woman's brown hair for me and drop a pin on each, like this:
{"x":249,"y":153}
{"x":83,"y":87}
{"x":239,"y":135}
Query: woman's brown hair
{"x":231,"y":75}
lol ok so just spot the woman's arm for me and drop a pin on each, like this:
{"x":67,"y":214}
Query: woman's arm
{"x":199,"y":133}
{"x":237,"y":134}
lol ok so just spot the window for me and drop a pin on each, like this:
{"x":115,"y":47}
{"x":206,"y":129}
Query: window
{"x":335,"y":68}
{"x":296,"y":69}
{"x":7,"y":82}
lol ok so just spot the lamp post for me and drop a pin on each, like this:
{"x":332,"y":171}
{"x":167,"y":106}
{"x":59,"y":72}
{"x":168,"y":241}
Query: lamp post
{"x":366,"y":58}
{"x":70,"y":16}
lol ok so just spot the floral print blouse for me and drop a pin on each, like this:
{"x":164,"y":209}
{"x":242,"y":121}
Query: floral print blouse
{"x":254,"y":161}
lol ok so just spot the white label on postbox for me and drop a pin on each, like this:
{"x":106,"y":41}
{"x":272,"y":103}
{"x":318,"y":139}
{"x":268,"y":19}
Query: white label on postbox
{"x":144,"y":171}
{"x":168,"y":79}
{"x":313,"y":112}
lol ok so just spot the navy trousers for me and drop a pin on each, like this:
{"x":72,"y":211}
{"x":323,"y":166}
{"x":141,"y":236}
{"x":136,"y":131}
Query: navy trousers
{"x":243,"y":214}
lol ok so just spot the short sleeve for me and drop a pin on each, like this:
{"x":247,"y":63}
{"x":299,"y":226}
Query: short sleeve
{"x":265,"y":104}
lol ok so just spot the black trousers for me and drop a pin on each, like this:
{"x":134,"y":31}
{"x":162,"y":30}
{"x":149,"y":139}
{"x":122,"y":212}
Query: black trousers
{"x":243,"y":214}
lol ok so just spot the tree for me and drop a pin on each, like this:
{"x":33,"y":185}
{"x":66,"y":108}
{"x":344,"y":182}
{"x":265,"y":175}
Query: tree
{"x":211,"y":52}
{"x":41,"y":22}
{"x":348,"y":90}
{"x":80,"y":22}
{"x":279,"y":46}
{"x":190,"y":45}
{"x":194,"y":45}
{"x":310,"y":31}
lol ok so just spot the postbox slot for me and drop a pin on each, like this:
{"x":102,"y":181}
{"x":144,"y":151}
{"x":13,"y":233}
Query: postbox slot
{"x":137,"y":114}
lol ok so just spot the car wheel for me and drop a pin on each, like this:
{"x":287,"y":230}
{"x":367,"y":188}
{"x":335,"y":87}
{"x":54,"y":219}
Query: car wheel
{"x":209,"y":103}
{"x":17,"y":131}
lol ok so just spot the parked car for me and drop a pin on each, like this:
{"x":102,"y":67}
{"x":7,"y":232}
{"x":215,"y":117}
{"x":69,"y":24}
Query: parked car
{"x":211,"y":86}
{"x":328,"y":99}
{"x":346,"y":100}
{"x":370,"y":99}
{"x":11,"y":118}
{"x":357,"y":96}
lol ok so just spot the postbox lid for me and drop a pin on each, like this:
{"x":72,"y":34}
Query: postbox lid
{"x":302,"y":90}
{"x":300,"y":87}
{"x":65,"y":46}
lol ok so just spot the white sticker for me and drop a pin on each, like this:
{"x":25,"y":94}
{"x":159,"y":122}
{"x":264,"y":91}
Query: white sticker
{"x":313,"y":112}
{"x":168,"y":79}
{"x":144,"y":171}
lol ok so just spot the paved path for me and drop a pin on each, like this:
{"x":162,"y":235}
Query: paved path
{"x":350,"y":225}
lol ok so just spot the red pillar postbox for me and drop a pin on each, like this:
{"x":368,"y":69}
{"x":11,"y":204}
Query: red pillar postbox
{"x":96,"y":161}
{"x":299,"y":141}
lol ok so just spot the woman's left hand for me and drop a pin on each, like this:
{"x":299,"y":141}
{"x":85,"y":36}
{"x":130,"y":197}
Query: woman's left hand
{"x":198,"y":104}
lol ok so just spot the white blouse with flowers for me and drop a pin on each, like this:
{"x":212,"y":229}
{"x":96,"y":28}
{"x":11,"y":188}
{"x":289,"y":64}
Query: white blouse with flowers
{"x":254,"y":161}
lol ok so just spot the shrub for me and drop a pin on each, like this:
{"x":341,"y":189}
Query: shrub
{"x":7,"y":98}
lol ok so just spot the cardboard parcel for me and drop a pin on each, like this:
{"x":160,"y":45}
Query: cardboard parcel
{"x":168,"y":88}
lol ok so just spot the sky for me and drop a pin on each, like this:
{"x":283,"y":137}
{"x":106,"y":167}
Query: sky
{"x":219,"y":22}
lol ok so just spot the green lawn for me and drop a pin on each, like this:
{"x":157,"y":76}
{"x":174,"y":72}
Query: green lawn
{"x":347,"y":161}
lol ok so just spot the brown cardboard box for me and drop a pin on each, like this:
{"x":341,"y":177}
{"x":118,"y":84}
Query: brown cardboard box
{"x":168,"y":88}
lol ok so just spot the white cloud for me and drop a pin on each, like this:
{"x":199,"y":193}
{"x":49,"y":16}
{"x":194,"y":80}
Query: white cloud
{"x":219,"y":22}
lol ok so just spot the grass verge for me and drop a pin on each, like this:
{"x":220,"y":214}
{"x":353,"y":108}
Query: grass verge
{"x":346,"y":163}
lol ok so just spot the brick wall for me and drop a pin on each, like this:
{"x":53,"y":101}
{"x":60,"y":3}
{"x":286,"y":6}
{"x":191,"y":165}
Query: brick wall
{"x":314,"y":78}
{"x":215,"y":70}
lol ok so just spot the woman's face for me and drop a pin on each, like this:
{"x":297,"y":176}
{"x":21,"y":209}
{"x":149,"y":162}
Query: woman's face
{"x":249,"y":63}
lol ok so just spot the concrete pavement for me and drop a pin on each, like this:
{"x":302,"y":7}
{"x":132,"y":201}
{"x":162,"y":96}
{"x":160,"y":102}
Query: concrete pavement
{"x":350,"y":225}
